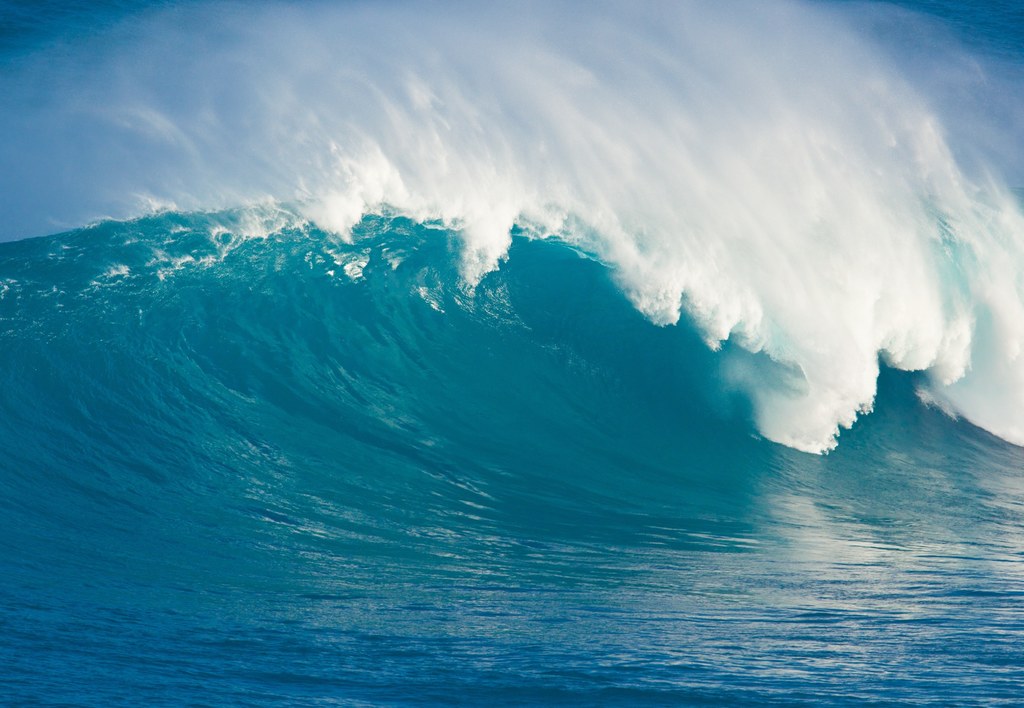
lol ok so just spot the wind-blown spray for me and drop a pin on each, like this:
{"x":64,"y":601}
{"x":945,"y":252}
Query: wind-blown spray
{"x":762,"y":170}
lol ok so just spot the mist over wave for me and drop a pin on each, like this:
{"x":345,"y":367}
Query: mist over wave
{"x":769,"y":172}
{"x":425,"y":353}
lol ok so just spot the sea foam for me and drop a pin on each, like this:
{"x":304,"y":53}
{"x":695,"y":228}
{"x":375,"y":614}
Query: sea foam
{"x":769,"y":172}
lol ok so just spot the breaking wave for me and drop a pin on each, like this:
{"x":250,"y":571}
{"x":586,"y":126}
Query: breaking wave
{"x":779,"y":176}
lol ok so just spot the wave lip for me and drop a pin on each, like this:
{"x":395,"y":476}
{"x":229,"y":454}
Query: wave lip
{"x":812,"y":212}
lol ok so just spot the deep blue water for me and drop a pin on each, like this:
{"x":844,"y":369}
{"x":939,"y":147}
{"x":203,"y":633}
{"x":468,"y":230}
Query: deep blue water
{"x":290,"y":468}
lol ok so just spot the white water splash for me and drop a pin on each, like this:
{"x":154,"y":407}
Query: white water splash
{"x":760,"y":168}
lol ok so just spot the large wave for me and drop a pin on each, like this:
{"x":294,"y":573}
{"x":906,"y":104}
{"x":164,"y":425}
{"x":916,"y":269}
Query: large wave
{"x":287,"y":468}
{"x":770,"y":173}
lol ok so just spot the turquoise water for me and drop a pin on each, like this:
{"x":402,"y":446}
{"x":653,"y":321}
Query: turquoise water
{"x":248,"y":459}
{"x":232,"y":476}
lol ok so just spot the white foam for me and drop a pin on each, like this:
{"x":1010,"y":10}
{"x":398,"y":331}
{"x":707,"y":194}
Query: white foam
{"x":763,"y":169}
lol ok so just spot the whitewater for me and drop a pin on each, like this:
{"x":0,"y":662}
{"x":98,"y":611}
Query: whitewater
{"x":763,"y":172}
{"x":431,"y":352}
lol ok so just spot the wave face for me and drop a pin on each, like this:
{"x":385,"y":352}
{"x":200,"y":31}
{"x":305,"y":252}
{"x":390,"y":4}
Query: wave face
{"x":826,"y":213}
{"x":283,"y":467}
{"x":434,"y":353}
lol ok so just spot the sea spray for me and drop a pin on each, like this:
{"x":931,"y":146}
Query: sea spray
{"x":766,"y":172}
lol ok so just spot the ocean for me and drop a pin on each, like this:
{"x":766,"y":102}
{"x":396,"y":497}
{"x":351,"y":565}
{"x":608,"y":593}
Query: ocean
{"x":417,"y":353}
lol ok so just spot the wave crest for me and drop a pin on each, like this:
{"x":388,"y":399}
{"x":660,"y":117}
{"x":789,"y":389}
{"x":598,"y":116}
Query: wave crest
{"x":763,"y":171}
